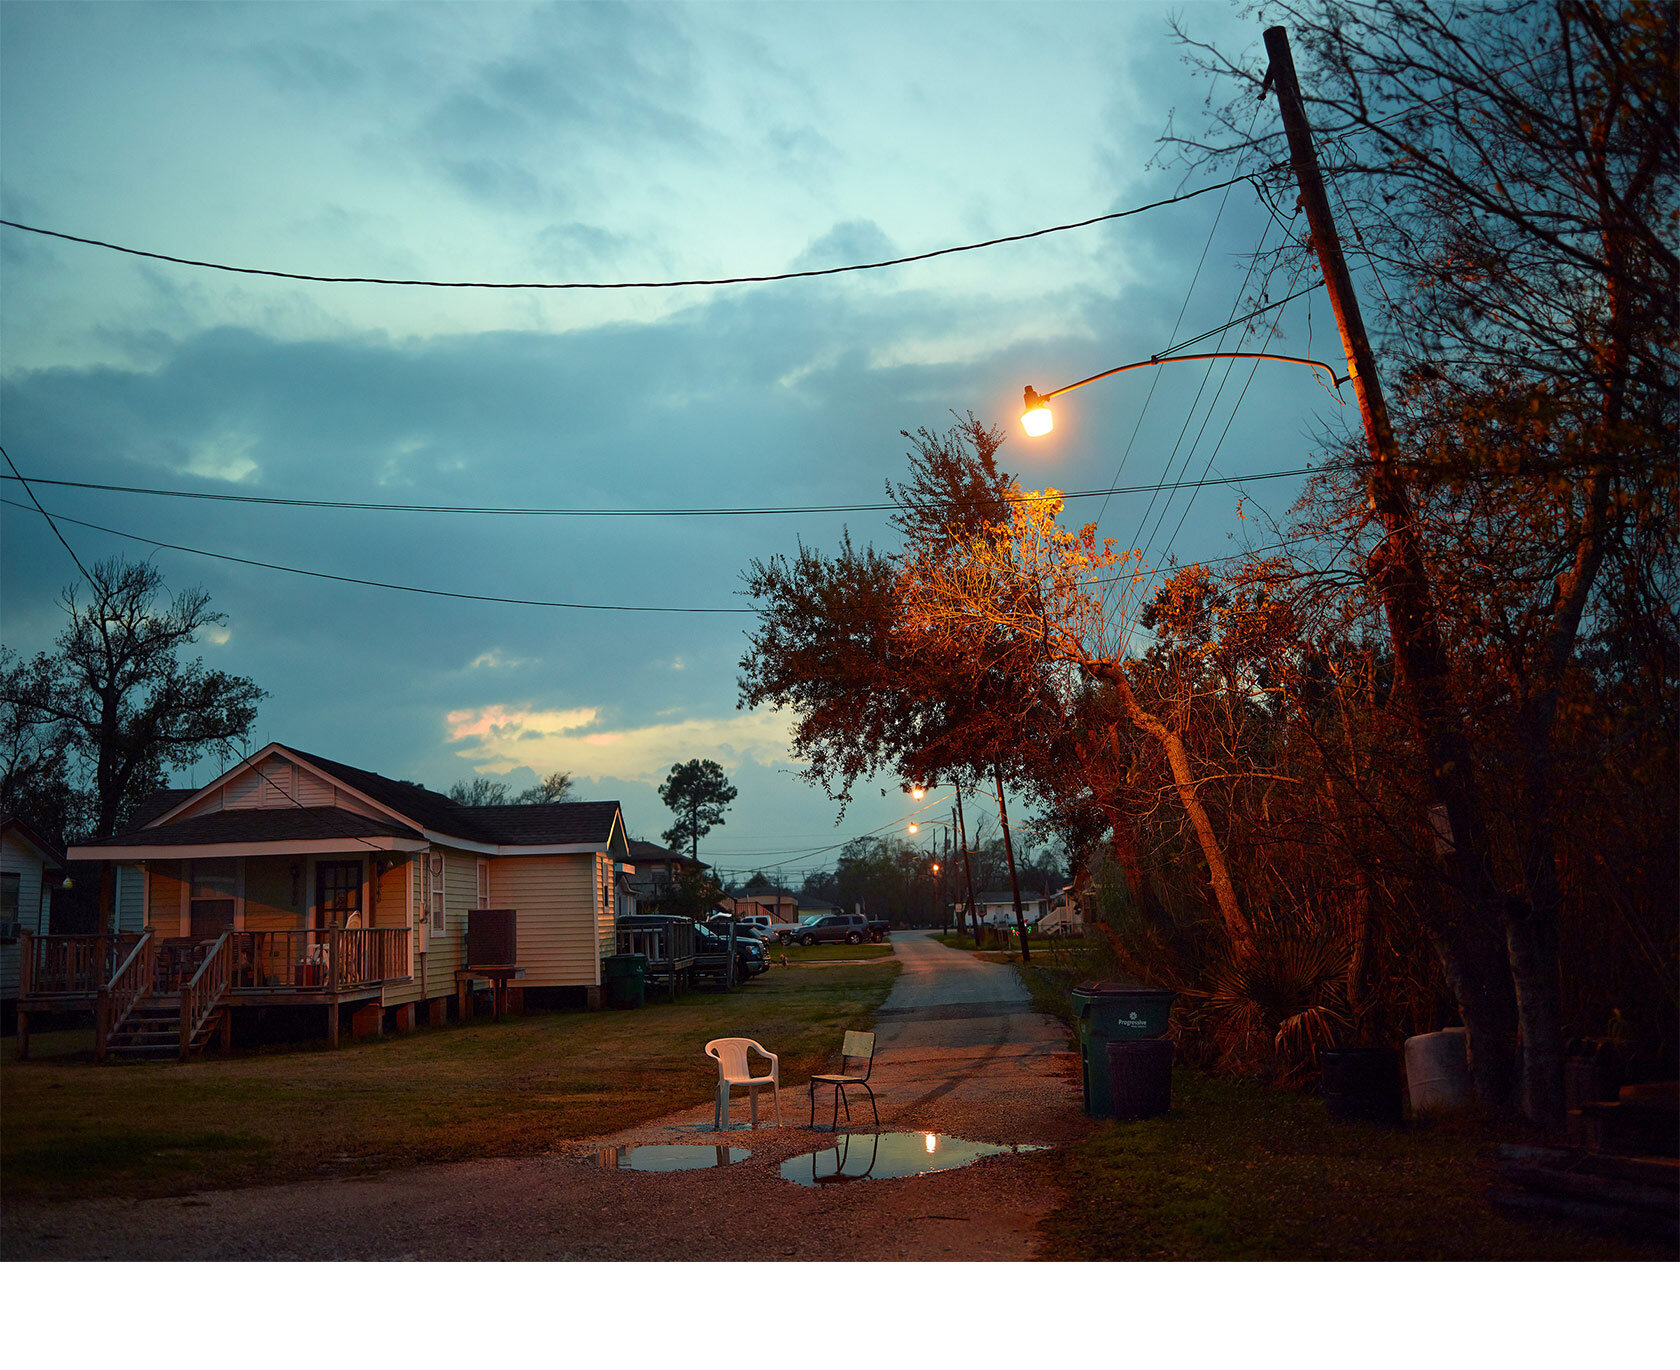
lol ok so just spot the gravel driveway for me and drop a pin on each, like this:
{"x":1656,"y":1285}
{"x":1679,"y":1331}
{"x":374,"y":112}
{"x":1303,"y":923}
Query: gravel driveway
{"x":959,"y":1052}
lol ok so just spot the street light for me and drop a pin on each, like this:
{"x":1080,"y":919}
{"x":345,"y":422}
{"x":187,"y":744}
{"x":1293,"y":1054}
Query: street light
{"x":1037,"y":419}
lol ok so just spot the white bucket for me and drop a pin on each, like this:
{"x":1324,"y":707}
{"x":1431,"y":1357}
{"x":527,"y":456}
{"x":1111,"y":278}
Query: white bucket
{"x":1438,"y":1071}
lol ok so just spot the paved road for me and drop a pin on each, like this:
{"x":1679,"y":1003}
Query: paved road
{"x":960,"y":1052}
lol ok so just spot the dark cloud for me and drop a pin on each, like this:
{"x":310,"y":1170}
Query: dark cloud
{"x":857,"y":240}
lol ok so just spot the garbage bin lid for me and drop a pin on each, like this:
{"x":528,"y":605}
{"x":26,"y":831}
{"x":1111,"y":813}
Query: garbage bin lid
{"x":1099,"y":988}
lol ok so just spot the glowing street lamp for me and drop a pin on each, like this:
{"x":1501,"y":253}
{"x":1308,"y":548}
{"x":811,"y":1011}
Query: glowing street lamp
{"x":1037,"y":419}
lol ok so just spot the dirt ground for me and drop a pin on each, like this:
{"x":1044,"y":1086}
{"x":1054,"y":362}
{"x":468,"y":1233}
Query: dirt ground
{"x":959,"y":1053}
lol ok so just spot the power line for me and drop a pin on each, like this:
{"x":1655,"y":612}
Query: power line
{"x":618,"y":285}
{"x":44,"y":514}
{"x":742,"y":511}
{"x":384,"y":584}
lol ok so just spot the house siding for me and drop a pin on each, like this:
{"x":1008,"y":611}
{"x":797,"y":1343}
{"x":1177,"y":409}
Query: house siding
{"x":19,"y":858}
{"x":168,"y":896}
{"x":560,"y":918}
{"x":274,"y":896}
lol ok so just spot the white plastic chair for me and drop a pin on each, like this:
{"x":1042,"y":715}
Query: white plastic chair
{"x":735,"y":1068}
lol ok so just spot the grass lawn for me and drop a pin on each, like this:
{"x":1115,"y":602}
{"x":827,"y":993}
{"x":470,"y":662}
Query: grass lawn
{"x":831,"y":951}
{"x":75,"y":1130}
{"x":1239,"y":1170}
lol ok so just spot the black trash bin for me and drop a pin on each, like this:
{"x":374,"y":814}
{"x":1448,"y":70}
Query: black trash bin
{"x":626,"y":980}
{"x":1108,"y":1011}
{"x":1362,"y":1084}
{"x":1140,"y":1078}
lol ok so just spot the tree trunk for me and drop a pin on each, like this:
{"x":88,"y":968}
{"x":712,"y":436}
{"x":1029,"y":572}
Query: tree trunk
{"x":1184,"y":782}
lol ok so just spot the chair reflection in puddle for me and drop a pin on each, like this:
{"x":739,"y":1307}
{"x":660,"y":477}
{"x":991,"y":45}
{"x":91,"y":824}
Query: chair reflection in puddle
{"x":857,"y":1059}
{"x":842,"y":1153}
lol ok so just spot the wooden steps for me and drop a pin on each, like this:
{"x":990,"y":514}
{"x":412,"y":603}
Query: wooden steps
{"x":151,"y":1031}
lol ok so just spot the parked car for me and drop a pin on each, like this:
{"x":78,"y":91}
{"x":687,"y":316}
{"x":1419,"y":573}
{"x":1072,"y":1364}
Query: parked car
{"x":711,"y":956}
{"x":826,"y":927}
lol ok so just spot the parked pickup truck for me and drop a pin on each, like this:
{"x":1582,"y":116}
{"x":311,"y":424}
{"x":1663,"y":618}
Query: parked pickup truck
{"x":851,"y":928}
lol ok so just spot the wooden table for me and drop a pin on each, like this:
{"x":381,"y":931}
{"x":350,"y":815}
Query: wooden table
{"x":498,"y":976}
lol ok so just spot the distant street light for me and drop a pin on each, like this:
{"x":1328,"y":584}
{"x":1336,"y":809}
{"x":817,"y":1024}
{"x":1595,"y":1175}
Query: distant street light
{"x":1037,"y":419}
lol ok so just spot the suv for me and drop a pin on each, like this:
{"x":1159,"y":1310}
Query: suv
{"x":826,"y":927}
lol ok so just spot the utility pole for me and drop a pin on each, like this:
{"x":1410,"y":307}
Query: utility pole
{"x":1009,"y":855}
{"x":968,"y":870}
{"x":1472,"y":939}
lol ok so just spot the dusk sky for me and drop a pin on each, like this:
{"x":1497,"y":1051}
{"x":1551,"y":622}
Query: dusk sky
{"x":599,"y":143}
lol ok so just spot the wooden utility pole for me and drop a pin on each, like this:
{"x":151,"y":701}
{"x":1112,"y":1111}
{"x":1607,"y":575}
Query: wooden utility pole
{"x":968,"y":871}
{"x":1009,"y":855}
{"x":1471,"y":935}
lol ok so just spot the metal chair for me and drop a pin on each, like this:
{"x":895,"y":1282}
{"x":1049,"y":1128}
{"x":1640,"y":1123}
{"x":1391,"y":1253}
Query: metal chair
{"x":856,"y":1049}
{"x":735,"y":1068}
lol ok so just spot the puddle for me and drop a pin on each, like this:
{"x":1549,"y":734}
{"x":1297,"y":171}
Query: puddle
{"x":674,"y":1157}
{"x":891,"y":1156}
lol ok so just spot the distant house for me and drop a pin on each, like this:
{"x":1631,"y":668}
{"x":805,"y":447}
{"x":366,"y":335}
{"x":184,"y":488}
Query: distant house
{"x":1065,"y":916}
{"x":997,"y":907}
{"x":306,"y":881}
{"x":656,"y":868}
{"x":29,"y":866}
{"x":782,"y":905}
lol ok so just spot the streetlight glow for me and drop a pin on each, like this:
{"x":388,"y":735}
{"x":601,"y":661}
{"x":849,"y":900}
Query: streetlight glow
{"x":914,"y":828}
{"x":1036,"y":417}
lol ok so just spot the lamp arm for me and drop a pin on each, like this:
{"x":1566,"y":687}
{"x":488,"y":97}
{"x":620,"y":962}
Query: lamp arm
{"x":1198,"y":357}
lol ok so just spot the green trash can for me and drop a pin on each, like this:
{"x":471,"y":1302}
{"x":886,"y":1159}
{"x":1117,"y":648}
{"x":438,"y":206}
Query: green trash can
{"x":1108,"y":1011}
{"x":626,"y":980}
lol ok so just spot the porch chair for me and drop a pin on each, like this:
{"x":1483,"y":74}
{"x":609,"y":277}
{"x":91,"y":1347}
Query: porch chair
{"x":735,"y":1068}
{"x":856,"y":1049}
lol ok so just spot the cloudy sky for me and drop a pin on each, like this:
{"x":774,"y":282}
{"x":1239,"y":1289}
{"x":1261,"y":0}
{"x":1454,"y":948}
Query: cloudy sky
{"x":594,"y":143}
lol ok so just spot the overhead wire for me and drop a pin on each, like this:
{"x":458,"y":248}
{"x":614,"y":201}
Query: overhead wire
{"x":718,"y":511}
{"x":63,"y":541}
{"x":753,"y":279}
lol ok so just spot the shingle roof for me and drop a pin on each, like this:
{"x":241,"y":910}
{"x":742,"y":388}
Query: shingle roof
{"x":156,"y":804}
{"x":258,"y":825}
{"x":426,"y":807}
{"x":545,"y":824}
{"x":652,"y":851}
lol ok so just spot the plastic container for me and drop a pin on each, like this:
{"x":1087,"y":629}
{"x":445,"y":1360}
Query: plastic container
{"x":1140,"y":1077}
{"x":1108,"y":1011}
{"x":1438,"y":1071}
{"x":626,"y":980}
{"x":1362,"y":1084}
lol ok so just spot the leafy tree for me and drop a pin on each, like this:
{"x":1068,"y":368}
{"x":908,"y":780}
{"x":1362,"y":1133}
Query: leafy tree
{"x":1508,"y":169}
{"x":698,"y":793}
{"x":114,"y":697}
{"x":693,"y":892}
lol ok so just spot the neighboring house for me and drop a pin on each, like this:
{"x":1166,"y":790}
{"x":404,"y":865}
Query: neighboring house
{"x":780,"y":904}
{"x":346,"y":889}
{"x":1065,"y":916}
{"x":29,"y":866}
{"x":997,"y":907}
{"x":656,"y":867}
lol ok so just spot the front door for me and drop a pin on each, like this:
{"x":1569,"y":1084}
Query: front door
{"x":338,"y":894}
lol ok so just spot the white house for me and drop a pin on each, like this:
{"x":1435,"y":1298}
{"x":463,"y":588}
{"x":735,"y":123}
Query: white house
{"x":29,"y":863}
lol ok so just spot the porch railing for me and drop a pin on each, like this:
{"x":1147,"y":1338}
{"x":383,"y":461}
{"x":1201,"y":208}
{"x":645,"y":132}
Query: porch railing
{"x":129,"y":984}
{"x":63,"y":963}
{"x":200,"y":995}
{"x":324,"y":959}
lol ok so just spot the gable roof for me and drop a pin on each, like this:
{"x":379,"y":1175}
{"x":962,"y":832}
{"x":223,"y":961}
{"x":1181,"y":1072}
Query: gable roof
{"x":426,"y":807}
{"x":50,"y":855}
{"x":412,"y":811}
{"x":262,"y":825}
